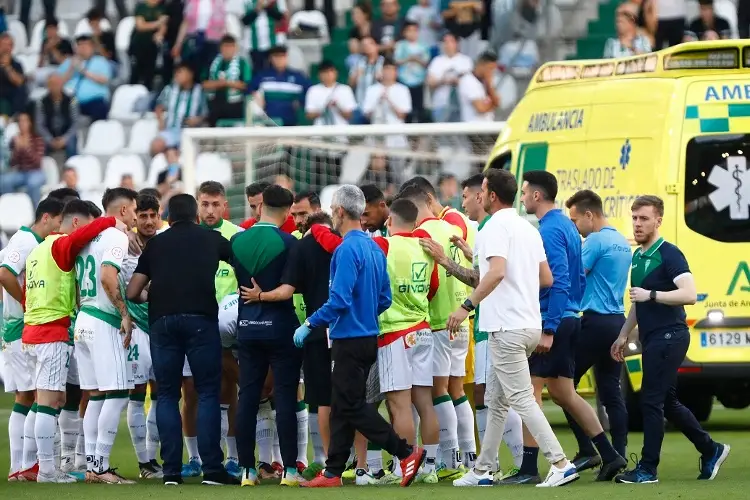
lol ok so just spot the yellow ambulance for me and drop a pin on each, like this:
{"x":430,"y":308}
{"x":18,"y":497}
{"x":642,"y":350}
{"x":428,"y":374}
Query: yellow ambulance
{"x":674,"y":123}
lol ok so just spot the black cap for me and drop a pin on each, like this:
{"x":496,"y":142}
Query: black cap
{"x":278,"y":49}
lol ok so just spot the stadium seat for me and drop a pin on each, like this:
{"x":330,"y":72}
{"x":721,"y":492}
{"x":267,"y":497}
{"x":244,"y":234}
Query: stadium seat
{"x":16,"y":210}
{"x":84,"y":28}
{"x":51,"y":171}
{"x":326,"y":196}
{"x":18,"y":33}
{"x":728,"y":10}
{"x":236,"y":7}
{"x":158,"y":165}
{"x":297,"y":59}
{"x":95,"y":196}
{"x":29,"y":62}
{"x":124,"y":100}
{"x":37,"y":35}
{"x":125,"y":164}
{"x":212,"y":167}
{"x":141,"y":135}
{"x":123,"y":33}
{"x":10,"y":131}
{"x":310,"y":18}
{"x":105,"y":137}
{"x":234,"y":27}
{"x":89,"y":170}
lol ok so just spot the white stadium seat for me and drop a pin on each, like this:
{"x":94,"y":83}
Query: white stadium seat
{"x":10,"y":131}
{"x":141,"y":134}
{"x":84,"y":28}
{"x":89,"y":170}
{"x":234,"y":27}
{"x":212,"y":167}
{"x":158,"y":165}
{"x":728,"y":10}
{"x":326,"y":196}
{"x":29,"y":62}
{"x":95,"y":196}
{"x":310,"y":18}
{"x":51,"y":171}
{"x":124,"y":31}
{"x":18,"y":34}
{"x":120,"y":165}
{"x":16,"y":210}
{"x":297,"y":59}
{"x":236,"y":7}
{"x":105,"y":137}
{"x":124,"y":100}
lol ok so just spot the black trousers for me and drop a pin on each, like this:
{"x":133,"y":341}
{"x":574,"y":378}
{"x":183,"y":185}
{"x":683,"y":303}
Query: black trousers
{"x":49,"y":12}
{"x":220,"y":109}
{"x":352,"y":359}
{"x":598,"y":333}
{"x":143,"y":64}
{"x":662,"y":356}
{"x":122,"y":10}
{"x":669,"y":32}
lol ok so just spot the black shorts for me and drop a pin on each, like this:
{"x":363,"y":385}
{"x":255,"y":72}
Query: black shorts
{"x":560,"y":360}
{"x":316,"y":367}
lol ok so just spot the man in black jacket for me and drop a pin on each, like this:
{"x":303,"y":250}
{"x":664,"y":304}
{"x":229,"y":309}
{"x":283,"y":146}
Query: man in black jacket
{"x":57,"y":118}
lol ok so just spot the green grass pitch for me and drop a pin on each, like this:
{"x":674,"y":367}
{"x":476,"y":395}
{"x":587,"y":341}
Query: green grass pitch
{"x":677,"y":474}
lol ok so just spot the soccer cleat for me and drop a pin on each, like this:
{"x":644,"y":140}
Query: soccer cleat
{"x":29,"y":474}
{"x":294,"y":479}
{"x":427,"y":477}
{"x":349,"y":472}
{"x":609,"y":470}
{"x":515,"y":477}
{"x":220,"y":478}
{"x":709,"y":466}
{"x":148,"y":471}
{"x":91,"y":477}
{"x":411,"y":464}
{"x":301,"y":466}
{"x":559,"y":476}
{"x":474,"y":478}
{"x":387,"y":478}
{"x":13,"y":476}
{"x":192,"y":469}
{"x":586,"y":462}
{"x":639,"y":475}
{"x":446,"y":474}
{"x":364,"y":478}
{"x":265,"y":471}
{"x":323,"y":481}
{"x":57,"y":476}
{"x":110,"y":476}
{"x":249,"y":477}
{"x":78,"y":475}
{"x":233,"y":468}
{"x":173,"y":480}
{"x":278,"y":469}
{"x":312,"y":470}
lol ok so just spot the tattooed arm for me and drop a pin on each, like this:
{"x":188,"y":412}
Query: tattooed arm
{"x":111,"y":286}
{"x":464,"y":275}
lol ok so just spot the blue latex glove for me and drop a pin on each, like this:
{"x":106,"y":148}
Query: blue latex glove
{"x":300,"y":334}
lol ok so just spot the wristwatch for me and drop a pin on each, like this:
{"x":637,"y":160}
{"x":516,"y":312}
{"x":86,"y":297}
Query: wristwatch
{"x":652,"y":295}
{"x":467,"y":306}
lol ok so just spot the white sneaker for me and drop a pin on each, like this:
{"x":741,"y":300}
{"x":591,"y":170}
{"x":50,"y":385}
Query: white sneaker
{"x":363,"y":478}
{"x":56,"y":477}
{"x":559,"y":477}
{"x":474,"y":478}
{"x":67,"y":464}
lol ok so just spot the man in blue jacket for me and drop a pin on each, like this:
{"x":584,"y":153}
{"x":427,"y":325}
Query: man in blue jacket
{"x":553,"y":363}
{"x":279,"y":89}
{"x":359,"y":292}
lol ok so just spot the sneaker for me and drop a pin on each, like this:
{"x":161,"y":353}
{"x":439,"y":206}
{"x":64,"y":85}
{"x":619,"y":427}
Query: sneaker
{"x":638,"y":475}
{"x":192,"y":469}
{"x":301,"y":467}
{"x":323,"y":481}
{"x":173,"y":480}
{"x":387,"y":478}
{"x":249,"y":477}
{"x":156,"y":465}
{"x":220,"y":478}
{"x":362,"y":477}
{"x":516,"y":477}
{"x":67,"y":464}
{"x":266,"y":471}
{"x":474,"y":478}
{"x":233,"y":468}
{"x":29,"y":474}
{"x":110,"y":476}
{"x":57,"y":476}
{"x":148,"y":471}
{"x":609,"y":470}
{"x":350,"y":470}
{"x":446,"y":474}
{"x":586,"y":462}
{"x":427,"y":477}
{"x":709,"y":466}
{"x":294,"y":479}
{"x":312,"y":470}
{"x":411,"y":464}
{"x":560,"y":476}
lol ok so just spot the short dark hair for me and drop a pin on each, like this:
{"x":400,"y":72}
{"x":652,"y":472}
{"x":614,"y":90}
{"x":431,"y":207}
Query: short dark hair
{"x":275,"y":196}
{"x":151,"y":192}
{"x":503,"y":184}
{"x":586,"y":200}
{"x":487,"y":57}
{"x":318,"y":218}
{"x":51,"y":21}
{"x":405,"y":210}
{"x":256,"y":188}
{"x":326,"y":65}
{"x":311,"y":196}
{"x":388,"y":61}
{"x":76,"y":207}
{"x":649,"y":200}
{"x":473,"y":182}
{"x":227,"y":39}
{"x":65,"y":48}
{"x":414,"y":193}
{"x":445,"y":177}
{"x":544,"y":182}
{"x":117,"y":193}
{"x":277,"y":50}
{"x":423,"y":184}
{"x":183,"y":207}
{"x":372,"y":193}
{"x":146,"y":202}
{"x":51,"y":206}
{"x":64,"y":194}
{"x":94,"y":211}
{"x":212,"y":188}
{"x":84,"y":38}
{"x":408,"y":24}
{"x":94,"y":14}
{"x":184,"y":65}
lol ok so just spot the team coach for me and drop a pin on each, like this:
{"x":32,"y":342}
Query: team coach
{"x":181,"y":265}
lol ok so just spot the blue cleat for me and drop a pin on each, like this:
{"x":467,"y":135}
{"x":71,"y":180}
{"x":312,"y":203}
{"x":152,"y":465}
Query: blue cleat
{"x":192,"y":468}
{"x":709,"y":466}
{"x":233,"y":468}
{"x":78,"y":475}
{"x":639,"y":475}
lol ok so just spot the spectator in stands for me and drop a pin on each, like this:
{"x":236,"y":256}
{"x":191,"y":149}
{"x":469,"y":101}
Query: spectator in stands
{"x":365,"y":74}
{"x":329,"y":102}
{"x":280,"y":90}
{"x":670,"y":28}
{"x":388,"y":102}
{"x":443,"y":75}
{"x":429,"y":22}
{"x":87,"y":77}
{"x":387,"y":29}
{"x":57,"y":118}
{"x":284,"y":181}
{"x":464,"y":19}
{"x":122,"y":11}
{"x":26,"y":153}
{"x":126,"y":181}
{"x":362,"y":20}
{"x":12,"y":79}
{"x":145,"y":42}
{"x":197,"y":42}
{"x":50,"y":54}
{"x":173,"y":9}
{"x":628,"y":41}
{"x":69,"y":178}
{"x":104,"y":40}
{"x":412,"y":58}
{"x":226,"y":82}
{"x":477,"y":97}
{"x":167,"y":182}
{"x":380,"y":173}
{"x":708,"y":26}
{"x":520,"y":56}
{"x":448,"y":190}
{"x":263,"y":17}
{"x":49,"y":11}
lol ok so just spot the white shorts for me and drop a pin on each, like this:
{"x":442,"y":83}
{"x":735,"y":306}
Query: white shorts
{"x":481,"y":362}
{"x":449,"y":353}
{"x":73,"y":368}
{"x":52,"y":360}
{"x":139,"y":356}
{"x":186,"y":371}
{"x":18,"y":368}
{"x":102,"y":360}
{"x":406,"y":362}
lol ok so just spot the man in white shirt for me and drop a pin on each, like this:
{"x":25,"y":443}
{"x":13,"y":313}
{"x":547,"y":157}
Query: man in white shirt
{"x":329,"y":102}
{"x":366,"y":72}
{"x":512,"y":267}
{"x":443,"y":74}
{"x":388,"y":103}
{"x":476,"y":93}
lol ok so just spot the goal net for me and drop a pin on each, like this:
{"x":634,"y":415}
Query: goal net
{"x":319,"y":158}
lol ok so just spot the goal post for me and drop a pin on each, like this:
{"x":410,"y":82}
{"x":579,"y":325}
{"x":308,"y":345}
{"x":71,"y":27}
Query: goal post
{"x":310,"y":158}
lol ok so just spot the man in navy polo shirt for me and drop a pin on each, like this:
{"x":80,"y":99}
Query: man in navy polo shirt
{"x":662,"y":286}
{"x":280,"y":89}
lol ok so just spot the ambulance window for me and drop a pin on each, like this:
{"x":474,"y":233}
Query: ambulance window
{"x":717,"y":187}
{"x":501,"y":162}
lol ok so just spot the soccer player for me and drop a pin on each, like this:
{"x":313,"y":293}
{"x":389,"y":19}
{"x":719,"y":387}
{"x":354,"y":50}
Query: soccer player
{"x":101,"y":351}
{"x":662,"y":286}
{"x":18,"y":367}
{"x":254,"y":193}
{"x":606,"y":261}
{"x":553,"y":362}
{"x":143,"y":431}
{"x":50,"y":299}
{"x":376,"y":211}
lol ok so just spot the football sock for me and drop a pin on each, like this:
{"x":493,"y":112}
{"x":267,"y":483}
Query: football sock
{"x":302,"y":418}
{"x":465,"y":431}
{"x":137,"y":426}
{"x":446,"y":414}
{"x":45,"y":428}
{"x":29,"y":439}
{"x":15,"y":435}
{"x":264,"y":432}
{"x":91,"y":428}
{"x":152,"y":430}
{"x":109,"y":420}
